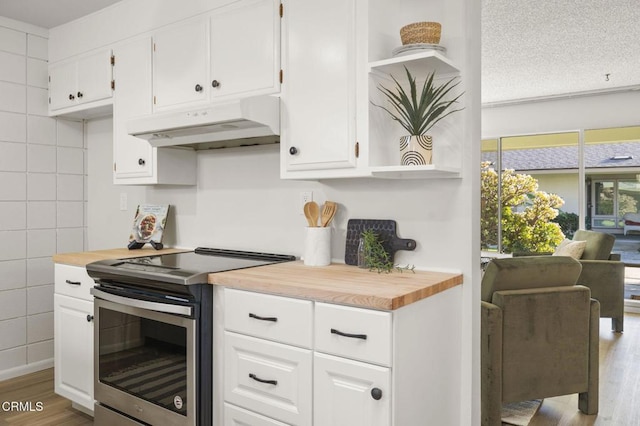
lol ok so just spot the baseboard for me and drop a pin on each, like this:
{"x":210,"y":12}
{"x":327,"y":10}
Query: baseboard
{"x":26,"y":369}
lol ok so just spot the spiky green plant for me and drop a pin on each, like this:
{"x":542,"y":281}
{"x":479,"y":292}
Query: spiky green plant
{"x":419,"y":115}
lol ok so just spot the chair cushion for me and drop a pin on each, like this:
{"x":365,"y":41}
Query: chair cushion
{"x":525,"y":272}
{"x":598,"y":246}
{"x":570,"y":248}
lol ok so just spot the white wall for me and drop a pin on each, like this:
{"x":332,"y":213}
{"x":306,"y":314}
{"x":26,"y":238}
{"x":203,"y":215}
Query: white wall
{"x":41,"y":199}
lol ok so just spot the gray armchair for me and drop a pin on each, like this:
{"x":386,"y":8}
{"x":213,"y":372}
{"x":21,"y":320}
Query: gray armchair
{"x":539,"y":334}
{"x":603,"y":273}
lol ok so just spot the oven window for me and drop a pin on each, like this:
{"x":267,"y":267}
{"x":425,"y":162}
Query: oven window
{"x":145,"y":358}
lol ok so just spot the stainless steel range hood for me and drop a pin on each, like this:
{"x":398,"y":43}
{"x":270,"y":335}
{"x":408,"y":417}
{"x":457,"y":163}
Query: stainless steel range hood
{"x":248,"y":121}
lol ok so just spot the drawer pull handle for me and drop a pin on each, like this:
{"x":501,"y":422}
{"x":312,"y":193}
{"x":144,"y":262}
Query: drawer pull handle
{"x":354,"y":336}
{"x":73,"y":282}
{"x":258,"y":379}
{"x":272,"y":319}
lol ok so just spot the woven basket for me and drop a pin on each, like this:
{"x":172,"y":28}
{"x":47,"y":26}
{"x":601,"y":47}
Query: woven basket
{"x":421,"y":32}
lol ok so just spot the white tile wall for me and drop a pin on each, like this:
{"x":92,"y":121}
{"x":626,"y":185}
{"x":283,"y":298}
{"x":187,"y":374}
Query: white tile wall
{"x":42,"y":199}
{"x":37,"y":101}
{"x":13,"y":333}
{"x":41,"y":158}
{"x":12,"y":358}
{"x":70,"y":188}
{"x":37,"y":47}
{"x":13,"y":41}
{"x":41,"y":130}
{"x":13,"y":245}
{"x":41,"y":215}
{"x":13,"y":304}
{"x":71,"y":240}
{"x":13,"y":97}
{"x":41,"y":242}
{"x":14,"y":157}
{"x":40,"y":351}
{"x":37,"y":73}
{"x":14,"y":68}
{"x":70,"y":161}
{"x":70,"y":214}
{"x":41,"y":186}
{"x":39,"y":271}
{"x":13,"y":127}
{"x":14,"y":186}
{"x":40,"y":299}
{"x":40,"y":327}
{"x":12,"y":216}
{"x":13,"y":274}
{"x":70,"y":133}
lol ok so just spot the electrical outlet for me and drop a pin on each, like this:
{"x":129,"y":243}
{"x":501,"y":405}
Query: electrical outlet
{"x":305,"y":197}
{"x":123,"y":201}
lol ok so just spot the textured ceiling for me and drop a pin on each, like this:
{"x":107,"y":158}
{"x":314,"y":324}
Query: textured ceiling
{"x":50,"y":13}
{"x":542,"y":48}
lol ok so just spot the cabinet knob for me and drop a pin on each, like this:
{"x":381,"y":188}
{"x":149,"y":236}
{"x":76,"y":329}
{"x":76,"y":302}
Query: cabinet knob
{"x":79,"y":95}
{"x":198,"y":88}
{"x":215,"y":83}
{"x":141,"y":161}
{"x":71,"y":97}
{"x":89,"y":318}
{"x":376,"y":393}
{"x":293,"y":150}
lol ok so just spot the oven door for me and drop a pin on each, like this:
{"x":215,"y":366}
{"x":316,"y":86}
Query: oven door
{"x":144,"y":360}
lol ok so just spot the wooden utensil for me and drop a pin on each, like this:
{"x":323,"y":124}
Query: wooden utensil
{"x":311,"y":212}
{"x":328,"y":211}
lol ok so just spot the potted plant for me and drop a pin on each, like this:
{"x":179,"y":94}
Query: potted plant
{"x":418,"y":114}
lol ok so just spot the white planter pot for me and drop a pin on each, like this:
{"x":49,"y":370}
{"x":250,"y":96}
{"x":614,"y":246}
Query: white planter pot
{"x":415,"y":150}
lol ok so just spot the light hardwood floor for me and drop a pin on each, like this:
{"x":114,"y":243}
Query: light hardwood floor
{"x":33,"y":389}
{"x":619,"y":390}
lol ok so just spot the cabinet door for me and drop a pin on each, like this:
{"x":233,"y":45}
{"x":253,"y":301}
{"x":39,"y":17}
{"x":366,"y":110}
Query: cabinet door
{"x":73,"y":349}
{"x":132,"y":156}
{"x":245,"y":49}
{"x":94,"y":77}
{"x":180,"y":59}
{"x":319,"y":89}
{"x":62,"y":85}
{"x":345,"y":393}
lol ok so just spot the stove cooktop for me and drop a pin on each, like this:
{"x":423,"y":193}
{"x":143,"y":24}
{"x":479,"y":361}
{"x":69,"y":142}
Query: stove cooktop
{"x":181,"y":268}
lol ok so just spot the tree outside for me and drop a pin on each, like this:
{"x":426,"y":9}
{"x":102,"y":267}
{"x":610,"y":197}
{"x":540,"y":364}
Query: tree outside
{"x":527,"y":213}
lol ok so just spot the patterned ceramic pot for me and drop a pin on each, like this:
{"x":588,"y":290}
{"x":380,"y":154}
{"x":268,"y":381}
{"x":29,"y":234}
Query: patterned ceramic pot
{"x":415,"y":150}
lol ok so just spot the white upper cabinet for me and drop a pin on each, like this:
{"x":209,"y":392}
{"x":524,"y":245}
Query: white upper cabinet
{"x":134,"y":160}
{"x":180,"y":59}
{"x":245,"y":49}
{"x":231,"y":53}
{"x":80,"y":83}
{"x":320,"y":104}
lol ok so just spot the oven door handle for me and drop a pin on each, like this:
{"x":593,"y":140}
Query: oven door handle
{"x":143,"y":304}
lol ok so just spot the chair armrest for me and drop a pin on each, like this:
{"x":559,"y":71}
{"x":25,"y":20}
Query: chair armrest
{"x":605,"y":278}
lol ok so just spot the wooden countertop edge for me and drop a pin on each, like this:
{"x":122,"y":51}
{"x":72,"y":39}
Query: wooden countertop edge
{"x":85,"y":257}
{"x":353,"y":286}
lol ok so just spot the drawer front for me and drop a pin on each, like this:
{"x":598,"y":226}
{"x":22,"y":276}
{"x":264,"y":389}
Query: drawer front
{"x":269,"y":378}
{"x":276,"y":318}
{"x":73,"y":281}
{"x":236,"y":416}
{"x":360,"y":334}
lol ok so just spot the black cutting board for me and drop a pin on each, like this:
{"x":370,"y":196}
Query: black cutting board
{"x":387,"y":232}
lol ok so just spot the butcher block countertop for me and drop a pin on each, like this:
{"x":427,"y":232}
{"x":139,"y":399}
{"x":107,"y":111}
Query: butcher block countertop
{"x":82,"y":258}
{"x":339,"y":283}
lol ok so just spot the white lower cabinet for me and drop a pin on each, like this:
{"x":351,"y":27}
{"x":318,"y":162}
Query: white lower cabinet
{"x":236,"y":416}
{"x":73,"y":335}
{"x":270,"y":378}
{"x":350,"y":393}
